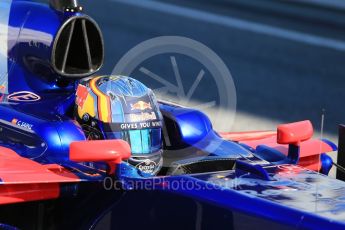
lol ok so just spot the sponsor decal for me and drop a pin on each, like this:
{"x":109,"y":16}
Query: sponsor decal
{"x":82,"y":94}
{"x":21,"y":124}
{"x":24,"y":96}
{"x":140,"y":125}
{"x":141,"y":105}
{"x":142,"y":117}
{"x":132,"y":126}
{"x":147,"y":166}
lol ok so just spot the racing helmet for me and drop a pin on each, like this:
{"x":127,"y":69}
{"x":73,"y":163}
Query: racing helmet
{"x":119,"y":107}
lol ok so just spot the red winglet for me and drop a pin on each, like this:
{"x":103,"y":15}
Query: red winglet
{"x":297,"y":133}
{"x":294,"y":133}
{"x":314,"y":147}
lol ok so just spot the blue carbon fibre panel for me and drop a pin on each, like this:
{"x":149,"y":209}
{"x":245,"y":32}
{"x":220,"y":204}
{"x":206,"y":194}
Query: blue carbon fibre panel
{"x":293,"y":196}
{"x":292,"y":187}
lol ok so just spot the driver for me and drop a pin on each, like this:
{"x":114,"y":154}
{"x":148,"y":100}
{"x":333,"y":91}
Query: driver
{"x":118,"y":107}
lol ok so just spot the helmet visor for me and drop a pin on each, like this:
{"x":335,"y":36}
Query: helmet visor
{"x":142,"y":141}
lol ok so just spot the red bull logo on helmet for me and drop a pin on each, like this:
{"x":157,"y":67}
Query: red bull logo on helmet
{"x":141,"y":105}
{"x":142,"y":117}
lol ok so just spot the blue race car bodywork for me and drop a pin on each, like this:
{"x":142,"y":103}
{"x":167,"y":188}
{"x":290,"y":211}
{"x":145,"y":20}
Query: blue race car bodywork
{"x":210,"y":179}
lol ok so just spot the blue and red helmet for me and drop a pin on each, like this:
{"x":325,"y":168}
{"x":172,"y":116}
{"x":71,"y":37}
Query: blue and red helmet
{"x":119,"y":107}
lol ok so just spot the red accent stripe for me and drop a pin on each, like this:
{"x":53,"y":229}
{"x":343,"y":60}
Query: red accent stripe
{"x":19,"y":170}
{"x":25,"y":180}
{"x":247,"y":136}
{"x":17,"y":193}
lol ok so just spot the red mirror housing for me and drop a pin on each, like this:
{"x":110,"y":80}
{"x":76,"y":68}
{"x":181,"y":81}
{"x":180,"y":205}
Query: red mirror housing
{"x":294,"y":133}
{"x":109,"y":151}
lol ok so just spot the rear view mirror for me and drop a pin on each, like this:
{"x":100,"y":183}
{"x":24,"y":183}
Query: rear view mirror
{"x":294,"y":133}
{"x":110,"y":151}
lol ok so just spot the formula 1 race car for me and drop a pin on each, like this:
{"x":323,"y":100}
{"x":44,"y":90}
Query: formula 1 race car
{"x":79,"y":151}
